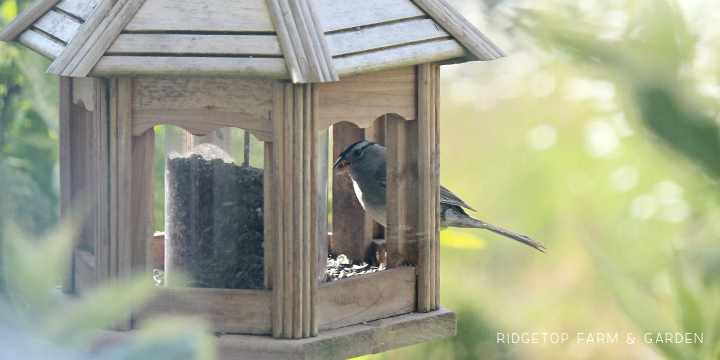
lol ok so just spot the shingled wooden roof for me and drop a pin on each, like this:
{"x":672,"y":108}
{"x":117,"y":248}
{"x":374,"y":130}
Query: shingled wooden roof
{"x":302,"y":40}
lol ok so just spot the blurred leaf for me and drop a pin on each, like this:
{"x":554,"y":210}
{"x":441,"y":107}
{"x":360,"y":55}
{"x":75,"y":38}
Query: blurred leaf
{"x":651,"y":62}
{"x":645,"y":312}
{"x":33,"y":269}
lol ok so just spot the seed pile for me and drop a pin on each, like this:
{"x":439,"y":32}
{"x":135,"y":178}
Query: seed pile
{"x":341,"y":267}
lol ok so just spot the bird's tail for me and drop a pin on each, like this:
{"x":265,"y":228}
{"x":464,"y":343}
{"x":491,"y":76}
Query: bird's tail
{"x":507,"y":233}
{"x":515,"y":236}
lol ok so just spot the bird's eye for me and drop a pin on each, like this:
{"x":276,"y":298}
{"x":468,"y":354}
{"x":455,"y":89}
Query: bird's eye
{"x":357,"y":152}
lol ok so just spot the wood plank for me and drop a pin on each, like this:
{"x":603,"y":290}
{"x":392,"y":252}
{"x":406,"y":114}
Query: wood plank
{"x":83,"y":92}
{"x":344,"y":343}
{"x":401,"y":232}
{"x":41,"y":44}
{"x":269,"y":214}
{"x":84,"y":271}
{"x":313,"y":198}
{"x":96,"y":27}
{"x":208,"y":15}
{"x":80,"y":137}
{"x":278,"y":183}
{"x":227,"y":310}
{"x":142,"y":202}
{"x":84,"y":34}
{"x":58,"y":25}
{"x":268,"y":68}
{"x":100,"y":179}
{"x":287,"y":205}
{"x":98,"y":48}
{"x":297,"y":271}
{"x":80,"y":8}
{"x":387,"y":35}
{"x":428,"y":202}
{"x":352,"y":226}
{"x":183,"y":44}
{"x":367,"y":297}
{"x":202,"y":105}
{"x":436,"y":184}
{"x":346,"y":14}
{"x":362,"y":99}
{"x":396,"y":57}
{"x":464,"y":32}
{"x":28,"y":16}
{"x":64,"y":104}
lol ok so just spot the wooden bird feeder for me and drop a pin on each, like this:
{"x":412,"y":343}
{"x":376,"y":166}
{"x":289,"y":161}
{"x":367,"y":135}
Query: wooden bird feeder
{"x":284,"y":71}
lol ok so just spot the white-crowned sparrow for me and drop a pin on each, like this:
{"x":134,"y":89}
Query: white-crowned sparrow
{"x":366,"y":162}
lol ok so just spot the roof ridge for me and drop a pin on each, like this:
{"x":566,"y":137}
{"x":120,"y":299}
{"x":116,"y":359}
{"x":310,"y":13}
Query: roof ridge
{"x":75,"y":45}
{"x":95,"y":37}
{"x":302,"y":41}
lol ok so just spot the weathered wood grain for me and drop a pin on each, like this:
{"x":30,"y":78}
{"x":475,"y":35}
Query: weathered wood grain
{"x":41,"y":44}
{"x":269,"y":214}
{"x":80,"y":8}
{"x":427,"y":189}
{"x":209,"y":15}
{"x":201,"y":105}
{"x":83,"y":92}
{"x":64,"y":161}
{"x":362,"y":99}
{"x":111,"y":32}
{"x":89,"y":34}
{"x":366,"y":297}
{"x":401,"y":232}
{"x":303,"y":43}
{"x":293,"y":305}
{"x":346,"y":14}
{"x":464,"y":32}
{"x":420,"y":53}
{"x":184,"y":44}
{"x":344,"y":343}
{"x":269,"y":68}
{"x":352,"y":226}
{"x":227,"y":310}
{"x":58,"y":25}
{"x":386,"y":35}
{"x":142,"y":202}
{"x":83,"y":35}
{"x":28,"y":16}
{"x":84,"y":271}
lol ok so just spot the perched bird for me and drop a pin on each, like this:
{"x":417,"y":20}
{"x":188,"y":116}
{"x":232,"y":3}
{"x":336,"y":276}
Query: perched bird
{"x":366,"y":162}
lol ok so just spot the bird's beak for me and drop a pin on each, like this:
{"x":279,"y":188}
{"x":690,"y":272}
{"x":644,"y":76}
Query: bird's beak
{"x":341,"y":166}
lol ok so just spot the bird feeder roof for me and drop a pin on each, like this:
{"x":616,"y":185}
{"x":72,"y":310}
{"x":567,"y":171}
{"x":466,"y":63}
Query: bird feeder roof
{"x":301,"y":40}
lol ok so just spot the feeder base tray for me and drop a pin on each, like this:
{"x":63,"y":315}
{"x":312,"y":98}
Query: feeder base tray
{"x":348,"y":342}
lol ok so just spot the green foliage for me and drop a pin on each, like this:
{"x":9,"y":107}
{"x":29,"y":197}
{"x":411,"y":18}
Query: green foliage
{"x":35,"y":325}
{"x":649,"y":60}
{"x":28,"y":135}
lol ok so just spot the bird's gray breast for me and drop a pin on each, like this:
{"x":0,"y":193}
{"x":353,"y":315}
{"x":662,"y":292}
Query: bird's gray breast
{"x":372,"y":197}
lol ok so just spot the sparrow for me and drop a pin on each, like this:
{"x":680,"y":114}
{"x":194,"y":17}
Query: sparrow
{"x":366,"y":162}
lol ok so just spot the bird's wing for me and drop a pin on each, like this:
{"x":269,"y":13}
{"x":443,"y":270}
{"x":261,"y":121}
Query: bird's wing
{"x":381,"y":176}
{"x":447,"y":197}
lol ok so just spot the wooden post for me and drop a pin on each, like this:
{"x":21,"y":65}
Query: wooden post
{"x":295,"y":172}
{"x":64,"y":106}
{"x":428,"y":188}
{"x":401,"y":233}
{"x":352,"y":226}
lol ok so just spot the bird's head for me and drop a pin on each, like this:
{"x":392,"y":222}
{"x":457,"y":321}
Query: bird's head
{"x":354,"y":153}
